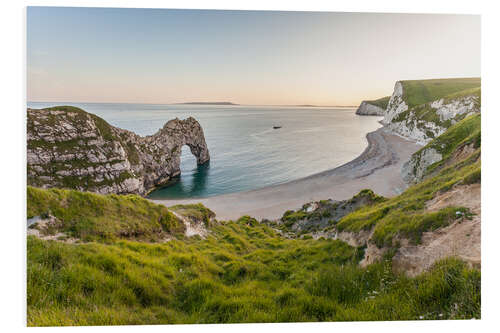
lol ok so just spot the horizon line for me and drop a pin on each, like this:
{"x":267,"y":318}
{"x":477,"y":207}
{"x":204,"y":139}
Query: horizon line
{"x":195,"y":103}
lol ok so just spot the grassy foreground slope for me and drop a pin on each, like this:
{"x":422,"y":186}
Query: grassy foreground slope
{"x":243,"y":272}
{"x":418,"y":92}
{"x":89,"y":216}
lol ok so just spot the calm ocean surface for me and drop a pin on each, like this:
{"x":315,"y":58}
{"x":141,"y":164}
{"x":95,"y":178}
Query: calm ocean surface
{"x":246,"y":152}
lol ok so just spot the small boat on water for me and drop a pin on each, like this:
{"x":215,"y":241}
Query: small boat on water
{"x":276,"y":127}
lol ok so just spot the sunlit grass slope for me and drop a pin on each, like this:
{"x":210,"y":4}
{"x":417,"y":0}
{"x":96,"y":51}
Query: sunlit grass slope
{"x":418,"y":92}
{"x":243,"y":272}
{"x":90,"y":216}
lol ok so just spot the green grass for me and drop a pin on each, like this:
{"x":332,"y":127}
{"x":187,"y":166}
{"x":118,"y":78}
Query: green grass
{"x":381,"y":102}
{"x":418,"y":92}
{"x":325,"y":209}
{"x":196,"y":212}
{"x":243,"y":272}
{"x":404,"y":214}
{"x":91,"y":216}
{"x":465,"y":132}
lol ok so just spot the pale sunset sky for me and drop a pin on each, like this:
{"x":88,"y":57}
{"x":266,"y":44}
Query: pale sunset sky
{"x":246,"y":57}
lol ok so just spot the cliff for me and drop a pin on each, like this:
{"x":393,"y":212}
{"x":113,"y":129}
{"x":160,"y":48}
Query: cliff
{"x":373,"y":108}
{"x":70,"y":148}
{"x":422,"y":110}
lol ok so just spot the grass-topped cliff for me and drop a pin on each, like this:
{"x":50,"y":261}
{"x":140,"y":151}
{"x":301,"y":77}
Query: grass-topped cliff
{"x":418,"y":92}
{"x":421,"y":110}
{"x":88,"y":216}
{"x":374,"y":107}
{"x":381,"y":102}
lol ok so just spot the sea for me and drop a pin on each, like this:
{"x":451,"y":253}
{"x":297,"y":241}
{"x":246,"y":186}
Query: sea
{"x":246,"y":151}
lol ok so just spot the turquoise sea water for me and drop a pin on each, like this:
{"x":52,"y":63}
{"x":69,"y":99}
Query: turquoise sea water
{"x":246,"y":152}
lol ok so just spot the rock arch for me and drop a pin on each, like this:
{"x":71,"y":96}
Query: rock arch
{"x":103,"y":158}
{"x":167,"y":146}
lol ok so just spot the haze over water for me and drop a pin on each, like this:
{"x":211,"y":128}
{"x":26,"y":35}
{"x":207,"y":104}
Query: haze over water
{"x":246,"y":152}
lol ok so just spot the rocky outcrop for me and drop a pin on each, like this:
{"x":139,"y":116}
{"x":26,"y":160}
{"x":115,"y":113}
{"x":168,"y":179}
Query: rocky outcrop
{"x":413,"y":170}
{"x":70,"y":148}
{"x":461,"y":141}
{"x":367,"y":109}
{"x":396,"y":103}
{"x":320,"y":217}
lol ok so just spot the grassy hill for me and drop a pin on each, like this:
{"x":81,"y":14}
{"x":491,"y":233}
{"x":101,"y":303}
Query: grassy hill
{"x":243,"y":272}
{"x":89,"y":216}
{"x":418,"y":92}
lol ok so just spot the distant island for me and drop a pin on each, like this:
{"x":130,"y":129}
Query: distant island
{"x":209,"y":103}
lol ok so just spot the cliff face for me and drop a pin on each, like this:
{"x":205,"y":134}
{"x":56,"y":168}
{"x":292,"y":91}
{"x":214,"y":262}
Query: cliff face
{"x":367,"y":109}
{"x":426,"y":121}
{"x":373,"y":108}
{"x":70,"y":148}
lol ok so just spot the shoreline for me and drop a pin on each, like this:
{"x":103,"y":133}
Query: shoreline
{"x":377,"y":168}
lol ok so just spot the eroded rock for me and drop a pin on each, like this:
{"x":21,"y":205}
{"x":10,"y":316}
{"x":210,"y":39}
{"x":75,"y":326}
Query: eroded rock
{"x":70,"y":148}
{"x":367,"y":109}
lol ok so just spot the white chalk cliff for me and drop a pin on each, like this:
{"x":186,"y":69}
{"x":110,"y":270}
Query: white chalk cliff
{"x":367,"y":109}
{"x":424,"y":122}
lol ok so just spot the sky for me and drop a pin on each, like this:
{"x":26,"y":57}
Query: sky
{"x":246,"y":57}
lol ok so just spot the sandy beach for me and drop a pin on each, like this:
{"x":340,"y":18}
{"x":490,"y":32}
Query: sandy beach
{"x":377,"y":168}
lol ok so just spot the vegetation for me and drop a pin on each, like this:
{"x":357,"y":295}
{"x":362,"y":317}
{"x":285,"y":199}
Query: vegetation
{"x":195,"y":212}
{"x":243,"y":272}
{"x":464,"y":133}
{"x":381,"y":102}
{"x":89,"y":216}
{"x":404,"y":215}
{"x":328,"y":211}
{"x":422,"y":91}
